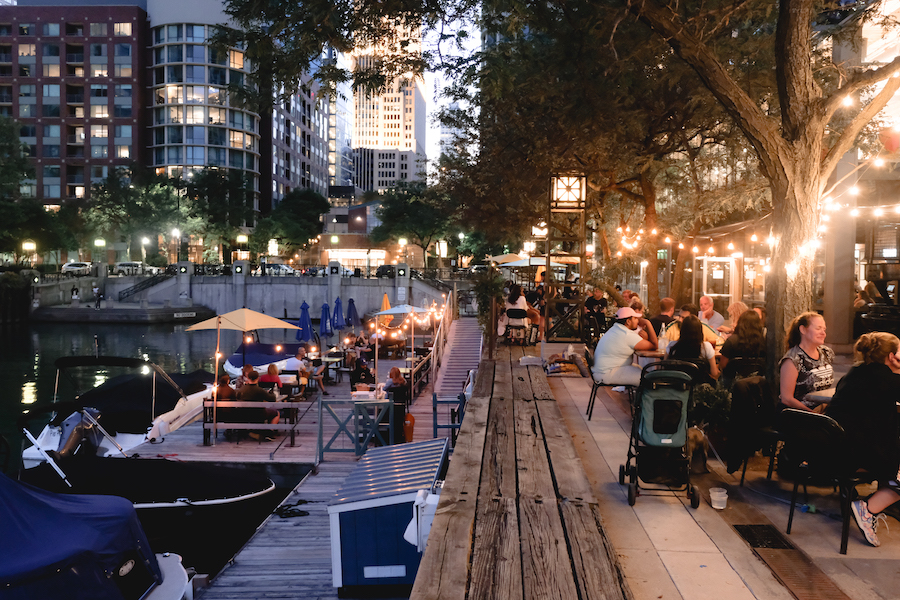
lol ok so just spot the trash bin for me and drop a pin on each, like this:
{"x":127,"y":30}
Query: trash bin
{"x":370,"y":513}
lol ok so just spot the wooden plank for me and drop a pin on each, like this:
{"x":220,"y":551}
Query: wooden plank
{"x":484,"y":379}
{"x":521,"y":383}
{"x":539,"y":384}
{"x":546,"y":564}
{"x":503,"y":388}
{"x":444,"y":571}
{"x":496,"y":558}
{"x":568,"y":472}
{"x":595,"y":561}
{"x":498,"y":467}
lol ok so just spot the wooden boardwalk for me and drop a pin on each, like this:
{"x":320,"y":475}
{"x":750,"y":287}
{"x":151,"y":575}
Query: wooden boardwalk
{"x":516,"y":518}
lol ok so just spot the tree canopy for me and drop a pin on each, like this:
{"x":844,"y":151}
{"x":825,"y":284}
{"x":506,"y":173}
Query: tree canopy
{"x":414,"y":211}
{"x":295,"y":220}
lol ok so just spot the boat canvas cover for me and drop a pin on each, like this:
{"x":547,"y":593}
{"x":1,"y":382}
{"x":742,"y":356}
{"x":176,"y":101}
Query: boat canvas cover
{"x":126,"y":402}
{"x":71,"y":546}
{"x":262,"y":354}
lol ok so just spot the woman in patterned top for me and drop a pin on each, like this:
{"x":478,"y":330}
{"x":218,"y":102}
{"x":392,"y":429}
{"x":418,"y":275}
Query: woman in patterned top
{"x":806,"y":366}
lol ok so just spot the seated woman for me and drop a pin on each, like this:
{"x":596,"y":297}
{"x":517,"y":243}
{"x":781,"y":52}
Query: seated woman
{"x":806,"y":365}
{"x":517,"y":300}
{"x":743,"y":348}
{"x":865,"y":404}
{"x":271,"y":376}
{"x":395,"y":380}
{"x":692,"y":348}
{"x":735,"y":310}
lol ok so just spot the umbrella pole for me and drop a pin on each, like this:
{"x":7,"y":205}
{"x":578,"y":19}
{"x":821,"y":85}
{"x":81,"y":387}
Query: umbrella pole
{"x":216,"y":377}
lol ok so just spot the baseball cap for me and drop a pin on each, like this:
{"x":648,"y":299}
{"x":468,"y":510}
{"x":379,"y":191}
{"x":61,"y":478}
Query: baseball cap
{"x":625,"y":312}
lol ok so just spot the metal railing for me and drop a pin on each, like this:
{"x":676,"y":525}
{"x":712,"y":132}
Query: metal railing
{"x":441,"y":334}
{"x":358,"y":421}
{"x":143,"y":285}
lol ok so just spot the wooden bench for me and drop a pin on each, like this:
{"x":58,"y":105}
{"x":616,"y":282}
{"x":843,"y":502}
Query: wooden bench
{"x":516,"y":516}
{"x":291,"y":411}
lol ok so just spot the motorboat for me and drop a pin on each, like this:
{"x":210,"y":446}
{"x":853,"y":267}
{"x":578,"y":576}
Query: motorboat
{"x":74,"y":547}
{"x":143,"y":404}
{"x":260,"y":356}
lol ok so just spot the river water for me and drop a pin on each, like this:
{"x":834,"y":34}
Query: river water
{"x":28,"y":353}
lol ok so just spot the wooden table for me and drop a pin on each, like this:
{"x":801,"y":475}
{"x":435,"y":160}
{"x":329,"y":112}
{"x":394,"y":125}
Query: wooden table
{"x":516,"y":516}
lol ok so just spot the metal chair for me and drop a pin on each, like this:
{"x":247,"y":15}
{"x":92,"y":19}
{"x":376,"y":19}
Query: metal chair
{"x":818,"y":447}
{"x":629,"y":389}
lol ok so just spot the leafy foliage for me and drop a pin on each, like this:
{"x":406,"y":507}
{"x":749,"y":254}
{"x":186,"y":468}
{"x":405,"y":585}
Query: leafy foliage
{"x":415,"y":211}
{"x":293,"y":222}
{"x":487,"y":286}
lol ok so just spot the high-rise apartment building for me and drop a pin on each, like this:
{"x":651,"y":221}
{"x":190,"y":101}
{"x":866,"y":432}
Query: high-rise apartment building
{"x":72,"y":77}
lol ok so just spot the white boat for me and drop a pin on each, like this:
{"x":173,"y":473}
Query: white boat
{"x":143,"y":405}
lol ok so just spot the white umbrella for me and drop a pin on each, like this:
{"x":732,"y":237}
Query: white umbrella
{"x":242,"y":320}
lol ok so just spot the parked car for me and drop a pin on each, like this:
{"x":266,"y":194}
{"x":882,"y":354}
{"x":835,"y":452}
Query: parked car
{"x":132,"y":268}
{"x":477,"y":269}
{"x":386,"y":271}
{"x":280,"y":270}
{"x":76,"y":268}
{"x":314,"y":271}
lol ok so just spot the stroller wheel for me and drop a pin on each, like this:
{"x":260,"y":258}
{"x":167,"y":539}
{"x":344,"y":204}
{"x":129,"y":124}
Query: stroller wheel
{"x":694,"y":495}
{"x":632,"y":494}
{"x":621,"y":474}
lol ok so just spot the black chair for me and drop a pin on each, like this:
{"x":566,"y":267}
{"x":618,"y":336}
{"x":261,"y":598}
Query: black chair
{"x":818,"y":449}
{"x":589,"y":358}
{"x":751,"y":424}
{"x":740,"y":367}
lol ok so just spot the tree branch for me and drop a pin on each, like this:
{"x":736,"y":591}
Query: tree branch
{"x":853,"y":84}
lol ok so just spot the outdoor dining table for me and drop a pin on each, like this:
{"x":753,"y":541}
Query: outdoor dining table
{"x":822,"y":396}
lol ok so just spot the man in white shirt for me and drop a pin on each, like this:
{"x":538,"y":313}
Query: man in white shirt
{"x":708,"y":314}
{"x":614,"y":353}
{"x":297,"y":363}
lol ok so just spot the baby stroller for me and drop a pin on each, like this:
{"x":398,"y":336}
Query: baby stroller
{"x":517,"y":326}
{"x":658,"y":441}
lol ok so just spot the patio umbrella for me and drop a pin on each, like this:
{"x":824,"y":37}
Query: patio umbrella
{"x":305,"y":329}
{"x":325,"y":323}
{"x":404,"y":309}
{"x":337,"y":320}
{"x":505,"y":258}
{"x":385,"y":305}
{"x":352,"y":315}
{"x":242,"y":320}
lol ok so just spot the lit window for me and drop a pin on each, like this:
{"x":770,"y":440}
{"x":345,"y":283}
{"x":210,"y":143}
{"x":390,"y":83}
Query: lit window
{"x":99,"y":131}
{"x":122,"y":29}
{"x":123,"y":151}
{"x":27,"y":50}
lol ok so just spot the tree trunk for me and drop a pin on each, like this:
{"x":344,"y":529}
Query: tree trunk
{"x":684,"y":255}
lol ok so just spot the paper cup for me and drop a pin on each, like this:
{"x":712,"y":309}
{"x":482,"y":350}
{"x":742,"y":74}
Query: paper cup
{"x":718,"y":498}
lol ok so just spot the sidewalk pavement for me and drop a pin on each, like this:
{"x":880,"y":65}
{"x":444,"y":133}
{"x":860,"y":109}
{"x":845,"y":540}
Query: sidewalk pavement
{"x":669,"y":550}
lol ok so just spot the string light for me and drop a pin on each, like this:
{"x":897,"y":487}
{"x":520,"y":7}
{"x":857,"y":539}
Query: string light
{"x":753,"y":238}
{"x":668,"y":240}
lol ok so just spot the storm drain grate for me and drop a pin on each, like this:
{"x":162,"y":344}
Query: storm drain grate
{"x":763,"y":536}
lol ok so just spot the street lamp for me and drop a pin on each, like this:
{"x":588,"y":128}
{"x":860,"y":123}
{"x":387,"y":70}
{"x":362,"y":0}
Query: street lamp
{"x":402,"y":242}
{"x":29,"y":247}
{"x":99,"y":245}
{"x":242,"y":239}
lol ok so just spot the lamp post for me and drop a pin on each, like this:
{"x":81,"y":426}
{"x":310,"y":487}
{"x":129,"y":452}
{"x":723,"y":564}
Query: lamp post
{"x":242,"y":240}
{"x":99,"y":246}
{"x":28,"y":249}
{"x":403,"y":242}
{"x":176,"y":240}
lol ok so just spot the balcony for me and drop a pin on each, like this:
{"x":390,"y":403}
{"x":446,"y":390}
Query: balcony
{"x":75,"y":139}
{"x":5,"y":57}
{"x":75,"y":58}
{"x":75,"y":179}
{"x":5,"y":97}
{"x":75,"y":98}
{"x":74,"y":152}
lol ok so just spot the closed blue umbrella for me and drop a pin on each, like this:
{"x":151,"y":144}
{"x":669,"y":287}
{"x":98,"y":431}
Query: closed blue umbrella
{"x":305,"y":333}
{"x":337,"y":320}
{"x":325,"y":325}
{"x":352,"y":316}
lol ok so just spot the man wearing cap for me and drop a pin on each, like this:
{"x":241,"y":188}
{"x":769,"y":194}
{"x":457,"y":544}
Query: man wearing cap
{"x":614,"y":352}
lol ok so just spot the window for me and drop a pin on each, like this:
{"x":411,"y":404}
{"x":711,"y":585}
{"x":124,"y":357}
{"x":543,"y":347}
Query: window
{"x":175,"y":74}
{"x":195,"y":33}
{"x":216,"y":96}
{"x":217,"y":76}
{"x":50,"y":50}
{"x":237,"y":139}
{"x":123,"y":71}
{"x":236,"y":159}
{"x":51,"y":70}
{"x":51,"y":91}
{"x":159,"y":116}
{"x":195,"y":94}
{"x":99,"y":111}
{"x":99,"y":90}
{"x":29,"y":150}
{"x":122,"y":110}
{"x":194,"y":114}
{"x":51,"y":191}
{"x":51,"y":131}
{"x":123,"y":49}
{"x":123,"y":151}
{"x":123,"y":90}
{"x":98,"y":29}
{"x":159,"y":136}
{"x":217,"y":157}
{"x":158,"y":35}
{"x":27,"y":91}
{"x":98,"y":172}
{"x":99,"y":71}
{"x":235,"y":59}
{"x":27,"y":49}
{"x":99,"y":131}
{"x":195,"y":74}
{"x":28,"y":131}
{"x":159,"y":56}
{"x":159,"y":156}
{"x":51,"y":151}
{"x":50,"y":110}
{"x":26,"y":28}
{"x":28,"y":190}
{"x":237,"y":78}
{"x":173,"y":155}
{"x":194,"y":135}
{"x":217,"y":116}
{"x":123,"y":131}
{"x":218,"y":57}
{"x":176,"y":135}
{"x":176,"y":114}
{"x":25,"y":70}
{"x":159,"y":76}
{"x":99,"y":151}
{"x":51,"y":171}
{"x":174,"y":32}
{"x":50,"y":29}
{"x":236,"y":119}
{"x":174,"y":94}
{"x":217,"y":136}
{"x":5,"y":29}
{"x":121,"y":29}
{"x":194,"y":53}
{"x":194,"y":155}
{"x":98,"y":49}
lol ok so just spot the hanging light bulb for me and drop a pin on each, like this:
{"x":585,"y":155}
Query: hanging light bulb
{"x":668,"y":240}
{"x":730,"y":246}
{"x":711,"y":250}
{"x":753,"y":238}
{"x":854,"y":212}
{"x":680,"y":246}
{"x":653,"y":231}
{"x":695,"y":249}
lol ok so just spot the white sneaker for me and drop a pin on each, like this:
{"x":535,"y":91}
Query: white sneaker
{"x":865,"y":520}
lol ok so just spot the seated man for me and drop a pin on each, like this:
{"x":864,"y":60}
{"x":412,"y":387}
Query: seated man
{"x":709,"y":315}
{"x":614,"y":353}
{"x":666,"y":315}
{"x":361,"y":374}
{"x":672,"y":331}
{"x":251,"y":392}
